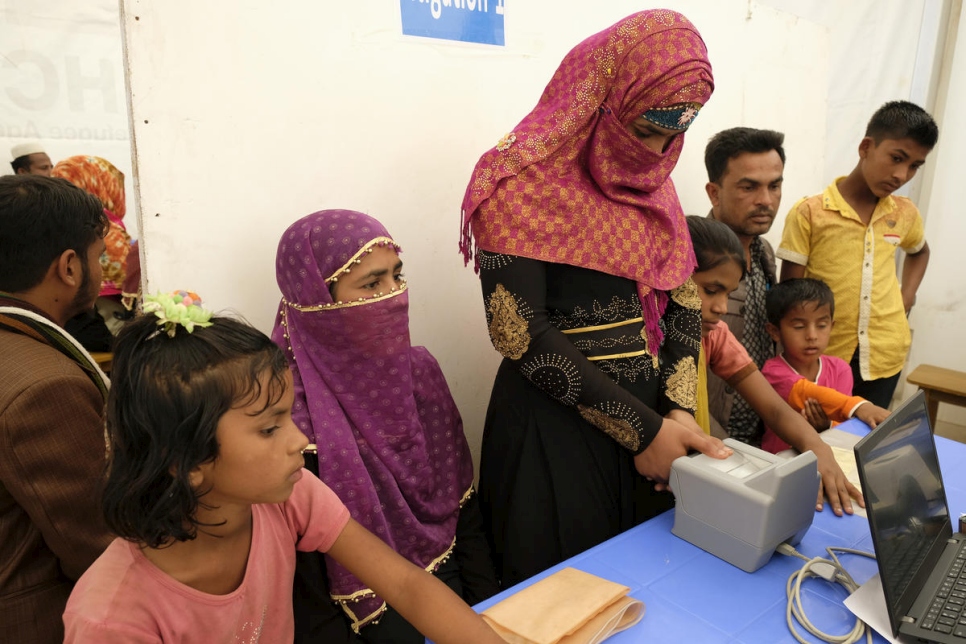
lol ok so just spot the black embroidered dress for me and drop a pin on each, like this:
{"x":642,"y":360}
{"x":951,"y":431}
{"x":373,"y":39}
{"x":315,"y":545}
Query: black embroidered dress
{"x":577,"y":396}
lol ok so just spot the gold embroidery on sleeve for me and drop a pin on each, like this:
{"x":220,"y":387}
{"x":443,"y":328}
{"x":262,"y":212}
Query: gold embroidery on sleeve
{"x":508,"y":329}
{"x":687,"y":295}
{"x":620,"y":430}
{"x":555,"y":375}
{"x":682,"y":385}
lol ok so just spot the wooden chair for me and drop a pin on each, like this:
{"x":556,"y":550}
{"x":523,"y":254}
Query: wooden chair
{"x":104,"y":360}
{"x":940,"y":385}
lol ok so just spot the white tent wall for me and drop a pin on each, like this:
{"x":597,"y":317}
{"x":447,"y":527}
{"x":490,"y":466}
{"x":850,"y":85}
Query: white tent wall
{"x":246,"y":118}
{"x":937,"y":317}
{"x":62,"y":82}
{"x":879,"y":51}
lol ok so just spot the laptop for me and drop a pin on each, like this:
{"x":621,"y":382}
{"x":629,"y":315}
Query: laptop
{"x":921,"y":562}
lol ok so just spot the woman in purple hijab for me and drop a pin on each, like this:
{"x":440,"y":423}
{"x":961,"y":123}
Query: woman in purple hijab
{"x":389,"y":438}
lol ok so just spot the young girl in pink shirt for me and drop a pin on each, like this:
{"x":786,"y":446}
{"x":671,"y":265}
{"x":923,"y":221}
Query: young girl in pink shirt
{"x":721,"y":265}
{"x":206,"y":490}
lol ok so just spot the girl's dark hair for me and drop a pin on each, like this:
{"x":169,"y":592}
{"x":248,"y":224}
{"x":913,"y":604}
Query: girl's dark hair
{"x":714,"y":244}
{"x":167,"y":395}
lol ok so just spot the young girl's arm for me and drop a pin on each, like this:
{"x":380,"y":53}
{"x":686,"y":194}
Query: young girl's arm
{"x":795,"y":430}
{"x":426,"y":602}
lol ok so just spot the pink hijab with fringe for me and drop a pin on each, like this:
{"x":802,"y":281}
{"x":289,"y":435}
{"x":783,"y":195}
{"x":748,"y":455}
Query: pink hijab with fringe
{"x":571,"y":185}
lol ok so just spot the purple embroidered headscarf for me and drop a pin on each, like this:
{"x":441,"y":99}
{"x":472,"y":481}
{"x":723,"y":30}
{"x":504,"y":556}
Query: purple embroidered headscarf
{"x":390,"y":439}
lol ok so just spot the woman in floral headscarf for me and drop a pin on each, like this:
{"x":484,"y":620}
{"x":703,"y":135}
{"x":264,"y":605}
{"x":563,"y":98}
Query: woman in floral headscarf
{"x":100,"y":178}
{"x":585,"y":262}
{"x":389,"y":438}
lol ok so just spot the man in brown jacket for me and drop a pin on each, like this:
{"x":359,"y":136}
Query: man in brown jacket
{"x":52,"y":395}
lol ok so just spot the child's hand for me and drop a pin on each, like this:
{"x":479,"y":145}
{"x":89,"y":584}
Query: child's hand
{"x":816,"y":416}
{"x":834,"y":484}
{"x":871,"y":414}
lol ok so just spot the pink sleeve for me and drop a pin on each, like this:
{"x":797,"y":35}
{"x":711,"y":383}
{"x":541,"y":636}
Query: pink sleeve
{"x":314,"y":513}
{"x":780,"y":376}
{"x":80,"y":630}
{"x":839,"y":375}
{"x":727,"y":358}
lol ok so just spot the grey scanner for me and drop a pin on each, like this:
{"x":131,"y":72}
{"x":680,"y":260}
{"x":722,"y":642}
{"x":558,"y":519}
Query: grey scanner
{"x":743,"y":507}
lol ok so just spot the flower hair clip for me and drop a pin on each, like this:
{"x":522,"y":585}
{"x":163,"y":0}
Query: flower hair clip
{"x":178,"y":308}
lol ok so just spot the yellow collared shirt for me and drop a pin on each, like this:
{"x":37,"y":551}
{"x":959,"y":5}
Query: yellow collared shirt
{"x":824,"y":234}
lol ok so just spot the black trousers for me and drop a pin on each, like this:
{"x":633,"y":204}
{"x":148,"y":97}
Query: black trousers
{"x":879,"y":391}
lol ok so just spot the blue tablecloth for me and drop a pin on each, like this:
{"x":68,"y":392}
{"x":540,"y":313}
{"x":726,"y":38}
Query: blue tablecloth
{"x":692,"y":596}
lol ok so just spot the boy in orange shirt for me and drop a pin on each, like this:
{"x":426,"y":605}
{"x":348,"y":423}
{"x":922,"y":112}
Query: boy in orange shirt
{"x":847,"y":237}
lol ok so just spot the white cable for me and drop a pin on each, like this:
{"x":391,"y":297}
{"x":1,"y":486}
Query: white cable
{"x":830,"y":570}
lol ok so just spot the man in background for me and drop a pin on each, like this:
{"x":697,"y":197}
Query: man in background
{"x":30,"y":158}
{"x":745,"y":172}
{"x":52,"y":396}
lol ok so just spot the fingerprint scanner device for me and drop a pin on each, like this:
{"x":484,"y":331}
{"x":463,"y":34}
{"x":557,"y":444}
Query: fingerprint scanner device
{"x":743,"y":507}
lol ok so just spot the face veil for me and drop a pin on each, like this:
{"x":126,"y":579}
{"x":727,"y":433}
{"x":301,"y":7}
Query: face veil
{"x":390,"y":438}
{"x":572,"y":185}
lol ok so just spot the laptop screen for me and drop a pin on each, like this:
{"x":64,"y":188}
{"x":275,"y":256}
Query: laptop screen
{"x":905,"y":502}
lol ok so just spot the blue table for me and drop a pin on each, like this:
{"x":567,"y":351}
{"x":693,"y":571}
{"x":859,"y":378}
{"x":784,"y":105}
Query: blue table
{"x":692,"y":596}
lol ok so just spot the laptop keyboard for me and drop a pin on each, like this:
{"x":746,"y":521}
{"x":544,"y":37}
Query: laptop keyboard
{"x":946,"y":614}
{"x":905,"y":559}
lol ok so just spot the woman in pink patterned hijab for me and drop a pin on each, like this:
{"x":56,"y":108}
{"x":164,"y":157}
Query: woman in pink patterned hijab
{"x":585,"y":260}
{"x":572,"y":182}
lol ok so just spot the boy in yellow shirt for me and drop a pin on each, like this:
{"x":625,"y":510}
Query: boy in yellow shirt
{"x":847,"y":237}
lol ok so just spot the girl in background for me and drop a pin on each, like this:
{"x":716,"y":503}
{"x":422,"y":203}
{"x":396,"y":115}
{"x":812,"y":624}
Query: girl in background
{"x":207,"y":491}
{"x":721,"y":265}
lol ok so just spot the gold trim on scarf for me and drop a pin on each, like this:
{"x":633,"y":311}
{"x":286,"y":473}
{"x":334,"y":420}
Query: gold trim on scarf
{"x":345,"y":305}
{"x":130,"y":300}
{"x":614,"y":356}
{"x":603,"y":327}
{"x":357,"y":623}
{"x":345,"y":268}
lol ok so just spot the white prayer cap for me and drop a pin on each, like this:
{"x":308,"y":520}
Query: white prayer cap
{"x":23,"y":149}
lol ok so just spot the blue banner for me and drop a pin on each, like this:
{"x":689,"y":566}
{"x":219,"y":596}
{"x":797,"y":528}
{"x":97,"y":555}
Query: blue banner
{"x":464,"y":20}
